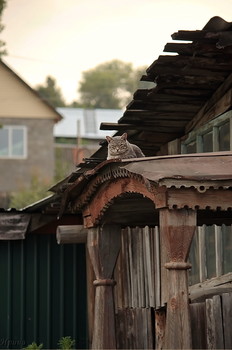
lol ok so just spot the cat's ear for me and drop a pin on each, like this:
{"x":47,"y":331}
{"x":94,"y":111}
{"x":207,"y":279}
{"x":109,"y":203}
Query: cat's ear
{"x":108,"y":138}
{"x":124,"y":136}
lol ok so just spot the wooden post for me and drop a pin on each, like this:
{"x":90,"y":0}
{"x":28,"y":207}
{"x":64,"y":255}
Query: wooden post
{"x":177,"y":228}
{"x":103,"y":246}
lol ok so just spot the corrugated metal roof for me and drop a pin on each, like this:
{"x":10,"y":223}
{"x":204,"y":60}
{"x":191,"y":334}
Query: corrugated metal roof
{"x":88,"y":121}
{"x":197,"y":167}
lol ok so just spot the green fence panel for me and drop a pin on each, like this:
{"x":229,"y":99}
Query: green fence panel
{"x":42,"y":292}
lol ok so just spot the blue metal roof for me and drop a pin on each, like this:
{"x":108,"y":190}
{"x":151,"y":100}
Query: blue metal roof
{"x":85,"y":122}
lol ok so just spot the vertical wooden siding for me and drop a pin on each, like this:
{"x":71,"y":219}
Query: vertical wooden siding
{"x":43,"y":292}
{"x":138,"y":269}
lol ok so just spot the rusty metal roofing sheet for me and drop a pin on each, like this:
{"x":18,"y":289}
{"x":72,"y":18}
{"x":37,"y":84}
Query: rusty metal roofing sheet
{"x":197,"y":167}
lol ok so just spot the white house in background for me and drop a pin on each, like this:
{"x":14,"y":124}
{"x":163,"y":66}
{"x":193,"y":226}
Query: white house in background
{"x":85,"y":123}
{"x":78,"y":134}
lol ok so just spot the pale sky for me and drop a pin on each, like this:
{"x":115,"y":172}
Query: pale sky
{"x":63,"y":38}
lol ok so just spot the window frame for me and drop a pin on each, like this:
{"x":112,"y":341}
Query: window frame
{"x":10,"y":154}
{"x":211,"y":126}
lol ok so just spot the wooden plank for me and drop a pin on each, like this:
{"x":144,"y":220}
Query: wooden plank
{"x":160,"y":322}
{"x":157,"y":264}
{"x":190,"y":35}
{"x":214,"y":328}
{"x":180,"y":61}
{"x":70,"y":234}
{"x":227,"y":319}
{"x":217,"y":104}
{"x":150,"y":272}
{"x":198,"y":325}
{"x":13,"y":226}
{"x":218,"y":250}
{"x":205,"y":71}
{"x":202,"y":264}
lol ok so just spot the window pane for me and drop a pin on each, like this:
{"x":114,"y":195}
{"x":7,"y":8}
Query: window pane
{"x":17,"y":142}
{"x":191,"y":147}
{"x":224,"y":137}
{"x":194,"y":276}
{"x":207,"y":142}
{"x":210,"y":251}
{"x":4,"y":142}
{"x":227,"y":248}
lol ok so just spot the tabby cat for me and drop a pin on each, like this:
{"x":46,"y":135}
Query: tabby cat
{"x":120,"y":148}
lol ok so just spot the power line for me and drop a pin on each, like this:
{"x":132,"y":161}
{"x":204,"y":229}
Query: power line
{"x":32,"y":59}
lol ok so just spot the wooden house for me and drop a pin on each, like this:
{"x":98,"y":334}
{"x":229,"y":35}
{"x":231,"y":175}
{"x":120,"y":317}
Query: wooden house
{"x":26,"y":134}
{"x":157,"y":229}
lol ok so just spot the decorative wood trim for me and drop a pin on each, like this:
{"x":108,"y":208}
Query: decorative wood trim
{"x":109,"y":191}
{"x":103,"y":246}
{"x":177,"y":228}
{"x":218,"y":199}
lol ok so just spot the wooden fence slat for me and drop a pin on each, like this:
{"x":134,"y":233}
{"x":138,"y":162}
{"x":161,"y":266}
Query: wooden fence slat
{"x":227,"y":318}
{"x":214,"y":327}
{"x":198,"y":325}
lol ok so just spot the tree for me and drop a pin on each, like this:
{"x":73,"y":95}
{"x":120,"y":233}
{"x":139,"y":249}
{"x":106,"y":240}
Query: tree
{"x":109,"y":85}
{"x":37,"y":190}
{"x":2,"y":43}
{"x":51,"y":92}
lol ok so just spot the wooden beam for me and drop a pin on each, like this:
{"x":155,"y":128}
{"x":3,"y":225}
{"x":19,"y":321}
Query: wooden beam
{"x":190,"y":35}
{"x":70,"y":234}
{"x":213,"y":108}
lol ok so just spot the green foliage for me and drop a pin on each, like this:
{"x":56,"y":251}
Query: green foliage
{"x":51,"y":93}
{"x":109,"y":85}
{"x":26,"y":196}
{"x":34,"y":346}
{"x":2,"y":43}
{"x":66,"y":343}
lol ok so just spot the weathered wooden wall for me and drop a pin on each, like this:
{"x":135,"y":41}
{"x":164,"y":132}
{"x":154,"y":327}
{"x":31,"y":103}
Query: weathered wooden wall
{"x":140,"y":320}
{"x":138,"y":269}
{"x":137,"y":292}
{"x":211,"y":322}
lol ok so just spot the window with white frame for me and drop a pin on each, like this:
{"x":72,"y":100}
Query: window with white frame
{"x":13,"y":141}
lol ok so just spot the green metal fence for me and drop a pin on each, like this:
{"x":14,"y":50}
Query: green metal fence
{"x":42,"y":292}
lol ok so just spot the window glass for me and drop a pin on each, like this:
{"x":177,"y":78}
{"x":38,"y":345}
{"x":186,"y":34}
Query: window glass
{"x":227,"y":248}
{"x":210,"y":251}
{"x":12,"y":142}
{"x":207,"y":140}
{"x":17,"y":142}
{"x":224,"y":137}
{"x":4,"y":142}
{"x":191,"y":147}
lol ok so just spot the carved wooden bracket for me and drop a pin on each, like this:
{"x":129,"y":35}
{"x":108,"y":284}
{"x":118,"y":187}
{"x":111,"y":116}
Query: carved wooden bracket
{"x":103,"y":246}
{"x":177,"y":228}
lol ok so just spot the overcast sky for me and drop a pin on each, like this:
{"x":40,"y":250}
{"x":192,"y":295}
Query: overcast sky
{"x":63,"y":38}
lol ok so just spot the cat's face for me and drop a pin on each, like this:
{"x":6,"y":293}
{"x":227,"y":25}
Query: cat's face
{"x":117,"y":145}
